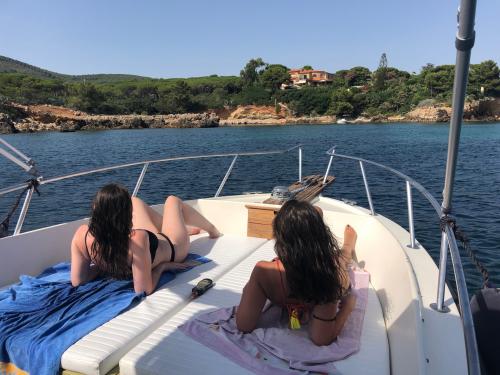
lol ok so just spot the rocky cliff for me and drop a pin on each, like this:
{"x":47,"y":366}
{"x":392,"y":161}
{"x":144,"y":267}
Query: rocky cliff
{"x":51,"y":118}
{"x":267,"y":115}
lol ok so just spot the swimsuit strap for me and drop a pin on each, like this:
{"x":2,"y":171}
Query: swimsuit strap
{"x":86,"y":247}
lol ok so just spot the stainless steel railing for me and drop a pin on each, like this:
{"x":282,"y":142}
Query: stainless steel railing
{"x":145,"y":164}
{"x":449,"y":237}
{"x":450,"y":242}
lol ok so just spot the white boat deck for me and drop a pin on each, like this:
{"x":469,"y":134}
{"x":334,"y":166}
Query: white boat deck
{"x":168,"y":350}
{"x":100,"y":351}
{"x":401,"y":333}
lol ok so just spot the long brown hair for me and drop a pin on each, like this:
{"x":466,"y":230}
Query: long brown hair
{"x":111,"y":224}
{"x":309,"y":252}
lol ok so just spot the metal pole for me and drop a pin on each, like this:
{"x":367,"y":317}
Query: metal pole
{"x":410,"y":215}
{"x":139,"y":180}
{"x":464,"y":43}
{"x":24,"y":210}
{"x":367,"y":188}
{"x":443,"y":258}
{"x":28,"y":165}
{"x":7,"y":144}
{"x":300,"y":163}
{"x":330,"y":152}
{"x":465,"y":311}
{"x":221,"y":186}
{"x":15,"y":160}
{"x":328,"y":169}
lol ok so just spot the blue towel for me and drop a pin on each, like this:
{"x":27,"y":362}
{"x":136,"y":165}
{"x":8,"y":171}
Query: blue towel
{"x":43,"y":316}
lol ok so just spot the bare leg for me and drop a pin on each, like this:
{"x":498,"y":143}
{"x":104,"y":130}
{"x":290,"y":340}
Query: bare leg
{"x":193,"y":230}
{"x":144,"y":217}
{"x":176,"y":215}
{"x":348,"y":254}
{"x":348,"y":247}
{"x":196,"y":220}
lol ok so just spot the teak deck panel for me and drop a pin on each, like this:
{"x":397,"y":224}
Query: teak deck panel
{"x":260,"y":218}
{"x":314,"y":187}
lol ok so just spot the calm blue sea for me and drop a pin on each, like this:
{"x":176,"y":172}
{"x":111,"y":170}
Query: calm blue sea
{"x":419,"y":150}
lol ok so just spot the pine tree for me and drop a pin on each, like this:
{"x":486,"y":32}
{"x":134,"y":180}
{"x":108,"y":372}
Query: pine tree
{"x":380,"y":73}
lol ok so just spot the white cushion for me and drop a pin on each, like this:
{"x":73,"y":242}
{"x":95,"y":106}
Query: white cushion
{"x":168,"y":350}
{"x":100,"y":351}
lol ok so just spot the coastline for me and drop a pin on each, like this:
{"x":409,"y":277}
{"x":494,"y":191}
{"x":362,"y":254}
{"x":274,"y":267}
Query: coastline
{"x":43,"y":118}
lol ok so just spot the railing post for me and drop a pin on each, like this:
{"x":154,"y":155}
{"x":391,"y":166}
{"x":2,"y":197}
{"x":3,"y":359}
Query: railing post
{"x":443,"y":258}
{"x":300,"y":163}
{"x":330,"y":152}
{"x":463,"y":301}
{"x":367,"y":188}
{"x":139,"y":180}
{"x":410,"y":215}
{"x":24,"y":210}
{"x":221,"y":186}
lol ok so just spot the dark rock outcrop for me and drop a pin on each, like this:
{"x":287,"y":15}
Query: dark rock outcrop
{"x":6,"y":124}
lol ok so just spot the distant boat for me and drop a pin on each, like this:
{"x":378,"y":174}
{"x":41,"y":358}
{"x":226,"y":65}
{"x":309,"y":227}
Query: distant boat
{"x":342,"y":121}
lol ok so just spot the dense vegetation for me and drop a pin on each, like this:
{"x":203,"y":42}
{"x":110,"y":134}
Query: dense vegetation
{"x":353,"y":92}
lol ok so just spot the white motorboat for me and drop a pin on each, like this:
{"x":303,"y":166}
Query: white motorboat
{"x":406,"y":330}
{"x":402,"y":333}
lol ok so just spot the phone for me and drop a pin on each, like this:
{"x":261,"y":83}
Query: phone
{"x":202,"y":287}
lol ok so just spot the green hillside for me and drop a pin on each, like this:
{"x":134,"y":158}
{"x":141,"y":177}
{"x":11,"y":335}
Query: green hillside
{"x":8,"y":65}
{"x":351,"y":93}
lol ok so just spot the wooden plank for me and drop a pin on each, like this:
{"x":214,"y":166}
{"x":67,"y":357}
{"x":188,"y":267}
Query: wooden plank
{"x":260,"y":230}
{"x":260,"y":216}
{"x":314,"y":186}
{"x":260,"y":221}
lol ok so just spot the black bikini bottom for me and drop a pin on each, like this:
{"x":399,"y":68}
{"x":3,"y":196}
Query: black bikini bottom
{"x":172,"y":256}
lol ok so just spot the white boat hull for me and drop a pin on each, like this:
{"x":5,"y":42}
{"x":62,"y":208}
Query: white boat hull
{"x":421,"y":340}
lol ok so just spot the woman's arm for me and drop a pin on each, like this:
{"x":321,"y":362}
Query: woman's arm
{"x":146,"y":279}
{"x":252,"y":301}
{"x":326,"y":323}
{"x":82,"y":270}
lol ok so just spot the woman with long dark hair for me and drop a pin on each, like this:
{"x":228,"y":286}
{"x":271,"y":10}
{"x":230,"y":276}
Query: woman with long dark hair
{"x":309,"y":278}
{"x":125,"y":238}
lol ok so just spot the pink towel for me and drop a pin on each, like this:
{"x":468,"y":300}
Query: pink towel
{"x":272,"y":348}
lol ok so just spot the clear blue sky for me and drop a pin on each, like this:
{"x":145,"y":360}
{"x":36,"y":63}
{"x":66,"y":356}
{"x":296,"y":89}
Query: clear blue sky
{"x":170,"y":38}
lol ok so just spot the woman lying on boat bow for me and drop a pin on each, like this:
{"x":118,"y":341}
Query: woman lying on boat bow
{"x":125,"y":238}
{"x":310,"y":276}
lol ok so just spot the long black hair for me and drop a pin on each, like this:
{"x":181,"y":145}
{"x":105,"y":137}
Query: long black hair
{"x":309,"y":253}
{"x":111,"y":224}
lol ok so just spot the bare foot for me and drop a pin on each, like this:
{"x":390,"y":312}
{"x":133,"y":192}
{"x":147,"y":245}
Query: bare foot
{"x":214,"y":233}
{"x":192,"y":230}
{"x":350,"y":237}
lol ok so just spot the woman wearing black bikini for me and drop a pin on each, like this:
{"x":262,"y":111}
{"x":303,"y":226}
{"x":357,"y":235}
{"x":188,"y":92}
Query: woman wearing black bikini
{"x":125,"y":238}
{"x":309,"y":278}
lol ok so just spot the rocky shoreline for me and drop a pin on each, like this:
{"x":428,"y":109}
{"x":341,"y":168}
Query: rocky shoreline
{"x":38,"y":118}
{"x":484,"y":111}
